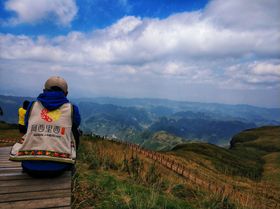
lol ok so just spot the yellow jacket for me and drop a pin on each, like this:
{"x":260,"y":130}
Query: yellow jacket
{"x":21,"y":115}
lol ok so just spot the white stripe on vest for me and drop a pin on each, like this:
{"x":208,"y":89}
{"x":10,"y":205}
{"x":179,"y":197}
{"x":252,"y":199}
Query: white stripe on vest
{"x":49,"y":136}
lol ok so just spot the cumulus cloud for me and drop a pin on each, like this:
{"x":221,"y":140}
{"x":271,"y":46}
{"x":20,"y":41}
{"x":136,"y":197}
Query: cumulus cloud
{"x":266,"y":69}
{"x":31,"y":12}
{"x":213,"y":46}
{"x":249,"y":75}
{"x":244,"y":15}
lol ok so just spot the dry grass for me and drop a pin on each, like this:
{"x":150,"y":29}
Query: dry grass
{"x":192,"y":193}
{"x":272,"y":168}
{"x":11,"y":134}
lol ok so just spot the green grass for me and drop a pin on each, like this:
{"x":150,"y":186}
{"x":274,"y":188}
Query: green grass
{"x":265,"y":139}
{"x":107,"y":191}
{"x":225,"y":161}
{"x":8,"y":131}
{"x":7,"y":126}
{"x":245,"y":157}
{"x":139,"y":185}
{"x":162,"y":141}
{"x":100,"y":185}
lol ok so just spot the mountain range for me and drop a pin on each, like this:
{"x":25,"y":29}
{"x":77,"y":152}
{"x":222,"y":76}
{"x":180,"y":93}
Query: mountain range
{"x":139,"y":120}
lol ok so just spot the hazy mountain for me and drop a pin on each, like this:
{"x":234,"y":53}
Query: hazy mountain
{"x":165,"y":107}
{"x":10,"y":105}
{"x":137,"y":120}
{"x":209,"y":130}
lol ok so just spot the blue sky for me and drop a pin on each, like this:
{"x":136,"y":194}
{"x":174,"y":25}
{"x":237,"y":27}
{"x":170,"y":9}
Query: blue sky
{"x":206,"y":51}
{"x":98,"y":14}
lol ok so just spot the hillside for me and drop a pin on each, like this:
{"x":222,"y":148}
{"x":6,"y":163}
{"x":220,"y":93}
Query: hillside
{"x":8,"y":132}
{"x":162,"y":141}
{"x":197,"y":175}
{"x":247,"y":179}
{"x":263,"y":142}
{"x":248,"y":155}
{"x":111,"y":175}
{"x":266,"y":139}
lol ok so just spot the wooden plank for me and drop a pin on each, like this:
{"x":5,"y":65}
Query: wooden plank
{"x":5,"y":148}
{"x":34,"y":195}
{"x":21,"y":175}
{"x":3,"y":164}
{"x":30,"y":188}
{"x":19,"y":190}
{"x":6,"y":155}
{"x":10,"y":170}
{"x":13,"y":176}
{"x":10,"y":165}
{"x":41,"y":203}
{"x":7,"y":161}
{"x":32,"y":181}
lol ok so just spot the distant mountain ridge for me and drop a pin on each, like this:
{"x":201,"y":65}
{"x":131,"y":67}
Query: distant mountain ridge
{"x":137,"y":120}
{"x":239,"y":111}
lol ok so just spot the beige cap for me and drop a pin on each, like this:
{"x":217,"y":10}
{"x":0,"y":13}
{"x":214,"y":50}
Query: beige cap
{"x":57,"y":81}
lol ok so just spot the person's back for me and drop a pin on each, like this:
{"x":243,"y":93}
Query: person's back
{"x":21,"y":117}
{"x":49,"y":146}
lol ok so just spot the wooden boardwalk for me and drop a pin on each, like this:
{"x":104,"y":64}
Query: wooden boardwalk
{"x":19,"y":190}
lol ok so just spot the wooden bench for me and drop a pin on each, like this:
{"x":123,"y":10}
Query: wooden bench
{"x":19,"y":190}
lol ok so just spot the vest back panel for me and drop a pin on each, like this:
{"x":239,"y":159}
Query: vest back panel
{"x":49,"y":135}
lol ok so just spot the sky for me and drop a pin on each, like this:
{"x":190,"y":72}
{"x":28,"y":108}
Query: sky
{"x":205,"y":51}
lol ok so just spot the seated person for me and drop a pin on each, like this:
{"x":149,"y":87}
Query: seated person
{"x":49,"y":146}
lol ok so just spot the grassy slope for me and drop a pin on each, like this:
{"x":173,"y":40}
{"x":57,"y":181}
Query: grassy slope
{"x":103,"y":182}
{"x":162,"y":141}
{"x":265,"y":142}
{"x":223,"y":160}
{"x":8,"y":131}
{"x":252,"y":163}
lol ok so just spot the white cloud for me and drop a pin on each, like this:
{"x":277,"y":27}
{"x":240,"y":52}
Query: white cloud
{"x":214,"y":46}
{"x":266,"y":69}
{"x":29,"y":11}
{"x":252,"y":75}
{"x":244,"y":15}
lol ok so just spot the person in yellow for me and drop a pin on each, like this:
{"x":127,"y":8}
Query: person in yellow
{"x":21,"y":116}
